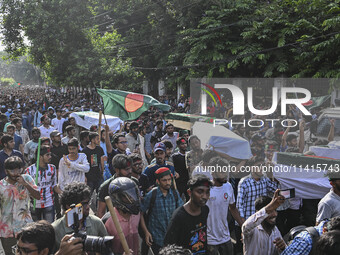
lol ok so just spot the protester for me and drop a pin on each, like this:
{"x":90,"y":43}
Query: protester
{"x":181,"y":168}
{"x":131,"y":137}
{"x":36,"y":237}
{"x":303,"y":243}
{"x":194,"y":156}
{"x":46,"y":178}
{"x":170,"y":135}
{"x":188,"y":225}
{"x":158,"y":205}
{"x":70,"y":132}
{"x":123,"y":168}
{"x":125,"y":198}
{"x":94,"y":155}
{"x":18,"y":143}
{"x":74,"y":166}
{"x":31,"y":147}
{"x":84,"y":139}
{"x":328,"y":243}
{"x":58,"y":121}
{"x":46,"y":129}
{"x":159,"y":152}
{"x":260,"y":235}
{"x":20,"y":131}
{"x":15,"y":192}
{"x":221,"y":201}
{"x":76,"y":193}
{"x":329,"y":206}
{"x":7,"y":142}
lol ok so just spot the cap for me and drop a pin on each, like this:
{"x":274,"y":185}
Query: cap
{"x":159,"y":146}
{"x":54,"y":133}
{"x":163,"y":171}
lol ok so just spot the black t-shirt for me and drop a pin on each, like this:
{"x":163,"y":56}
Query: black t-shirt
{"x":94,"y":158}
{"x":180,"y":167}
{"x":188,"y":231}
{"x":57,"y":153}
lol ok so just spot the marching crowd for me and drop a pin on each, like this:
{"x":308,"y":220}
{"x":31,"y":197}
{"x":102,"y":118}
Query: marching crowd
{"x":165,"y":199}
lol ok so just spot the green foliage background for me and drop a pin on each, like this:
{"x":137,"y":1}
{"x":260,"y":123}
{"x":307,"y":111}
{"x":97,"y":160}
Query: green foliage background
{"x":117,"y":44}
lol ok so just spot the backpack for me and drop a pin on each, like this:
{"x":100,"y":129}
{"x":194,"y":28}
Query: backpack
{"x":297,"y":230}
{"x":152,"y":204}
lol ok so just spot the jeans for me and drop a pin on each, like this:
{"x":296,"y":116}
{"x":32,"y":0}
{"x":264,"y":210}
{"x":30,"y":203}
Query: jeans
{"x":46,"y":213}
{"x":221,"y":249}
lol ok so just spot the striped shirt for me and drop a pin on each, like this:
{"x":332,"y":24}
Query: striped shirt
{"x":303,"y":242}
{"x":249,"y":189}
{"x":47,"y":180}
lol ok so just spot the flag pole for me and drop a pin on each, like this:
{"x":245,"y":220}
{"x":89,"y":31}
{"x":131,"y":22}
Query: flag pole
{"x":37,"y":170}
{"x":117,"y":225}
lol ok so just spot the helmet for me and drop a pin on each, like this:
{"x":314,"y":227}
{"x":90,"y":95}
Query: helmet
{"x":124,"y":194}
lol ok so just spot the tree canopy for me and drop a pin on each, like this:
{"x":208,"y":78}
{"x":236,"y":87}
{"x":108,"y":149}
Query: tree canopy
{"x":119,"y":43}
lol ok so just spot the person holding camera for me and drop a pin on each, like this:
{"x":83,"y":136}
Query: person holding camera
{"x":77,"y":193}
{"x":15,"y":192}
{"x":260,"y":233}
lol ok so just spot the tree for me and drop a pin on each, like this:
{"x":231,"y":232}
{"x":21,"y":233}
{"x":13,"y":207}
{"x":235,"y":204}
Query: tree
{"x":61,"y":41}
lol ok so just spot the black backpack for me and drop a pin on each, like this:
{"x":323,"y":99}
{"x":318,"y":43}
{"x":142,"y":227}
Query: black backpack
{"x":152,"y":204}
{"x":297,"y":230}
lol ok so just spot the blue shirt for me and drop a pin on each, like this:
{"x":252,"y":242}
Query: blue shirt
{"x":17,"y":141}
{"x":303,"y":242}
{"x":3,"y":157}
{"x":161,"y":213}
{"x":150,"y":170}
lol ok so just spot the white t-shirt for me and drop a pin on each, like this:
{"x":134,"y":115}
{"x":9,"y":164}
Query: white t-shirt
{"x":58,"y":124}
{"x":45,"y":132}
{"x":74,"y":173}
{"x":218,"y":203}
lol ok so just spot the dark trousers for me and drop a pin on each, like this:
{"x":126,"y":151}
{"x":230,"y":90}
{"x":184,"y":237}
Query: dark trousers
{"x":287,"y":219}
{"x":309,"y":211}
{"x":239,"y":244}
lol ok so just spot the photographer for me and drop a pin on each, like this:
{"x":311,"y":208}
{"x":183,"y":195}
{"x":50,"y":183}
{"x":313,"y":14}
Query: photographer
{"x":76,"y":193}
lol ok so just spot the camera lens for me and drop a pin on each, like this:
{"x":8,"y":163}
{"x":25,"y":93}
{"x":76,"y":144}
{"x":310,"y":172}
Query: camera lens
{"x":97,"y":244}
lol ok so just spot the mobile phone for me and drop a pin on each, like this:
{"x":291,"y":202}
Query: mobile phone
{"x":287,"y":193}
{"x":78,"y":211}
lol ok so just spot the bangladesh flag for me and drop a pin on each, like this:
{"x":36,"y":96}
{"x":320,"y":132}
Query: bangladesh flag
{"x":316,"y":102}
{"x":128,"y":105}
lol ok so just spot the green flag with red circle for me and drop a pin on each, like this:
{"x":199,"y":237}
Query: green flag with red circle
{"x":128,"y":105}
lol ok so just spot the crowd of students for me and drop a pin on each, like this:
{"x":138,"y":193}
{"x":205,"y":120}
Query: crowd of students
{"x":156,"y":177}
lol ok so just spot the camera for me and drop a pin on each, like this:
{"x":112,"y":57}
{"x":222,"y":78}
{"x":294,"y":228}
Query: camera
{"x":96,"y":244}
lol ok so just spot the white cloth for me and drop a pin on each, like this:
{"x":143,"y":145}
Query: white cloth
{"x":256,"y":240}
{"x":218,"y":203}
{"x":74,"y":173}
{"x":326,"y":152}
{"x":58,"y":124}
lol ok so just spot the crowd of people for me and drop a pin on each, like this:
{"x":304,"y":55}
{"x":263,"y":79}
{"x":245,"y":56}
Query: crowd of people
{"x":155,"y":174}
